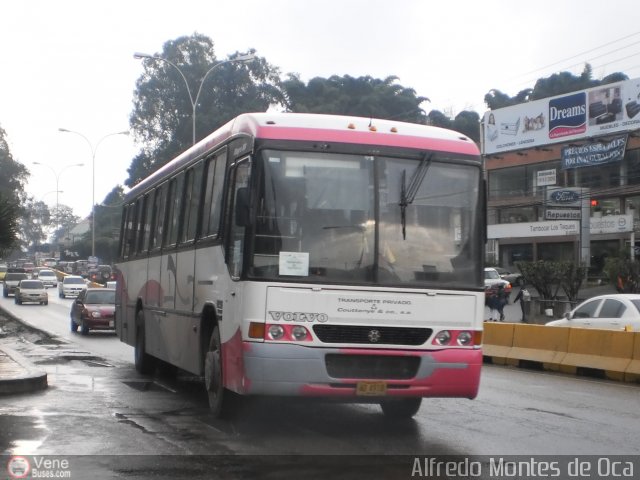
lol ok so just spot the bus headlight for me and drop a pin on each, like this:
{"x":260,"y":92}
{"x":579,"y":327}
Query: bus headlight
{"x":299,"y":333}
{"x":464,"y":338}
{"x":276,"y":332}
{"x":443,"y":337}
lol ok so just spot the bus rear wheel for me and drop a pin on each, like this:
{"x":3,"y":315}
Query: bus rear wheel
{"x":220,"y":398}
{"x":401,"y":408}
{"x":144,"y":362}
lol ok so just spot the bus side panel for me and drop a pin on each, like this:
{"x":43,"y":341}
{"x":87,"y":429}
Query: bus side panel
{"x":135,"y":273}
{"x":213,"y":286}
{"x":160,"y":326}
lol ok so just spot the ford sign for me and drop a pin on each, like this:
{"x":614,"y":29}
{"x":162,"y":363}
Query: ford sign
{"x":565,"y":196}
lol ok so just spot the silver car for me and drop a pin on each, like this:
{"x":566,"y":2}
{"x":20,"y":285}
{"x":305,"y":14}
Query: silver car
{"x":31,"y":291}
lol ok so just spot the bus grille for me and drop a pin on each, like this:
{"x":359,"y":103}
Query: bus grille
{"x":371,"y":366}
{"x":371,"y":335}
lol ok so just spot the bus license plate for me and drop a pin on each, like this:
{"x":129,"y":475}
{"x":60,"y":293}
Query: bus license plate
{"x":371,"y":389}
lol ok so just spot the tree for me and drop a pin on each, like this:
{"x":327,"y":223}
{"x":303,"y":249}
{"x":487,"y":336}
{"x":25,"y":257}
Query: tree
{"x":162,"y":116}
{"x":8,"y":225}
{"x":12,"y":195}
{"x":35,"y":219}
{"x":362,"y":96}
{"x":556,"y":84}
{"x":64,"y":220}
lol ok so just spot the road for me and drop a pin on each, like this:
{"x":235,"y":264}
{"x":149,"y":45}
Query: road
{"x":97,"y":404}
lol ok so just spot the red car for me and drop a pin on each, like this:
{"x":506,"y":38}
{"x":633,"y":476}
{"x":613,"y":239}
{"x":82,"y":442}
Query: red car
{"x":94,"y":309}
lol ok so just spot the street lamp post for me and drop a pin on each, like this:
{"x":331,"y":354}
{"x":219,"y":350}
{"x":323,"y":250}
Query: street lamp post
{"x":194,"y":101}
{"x":93,"y":179}
{"x":57,"y":176}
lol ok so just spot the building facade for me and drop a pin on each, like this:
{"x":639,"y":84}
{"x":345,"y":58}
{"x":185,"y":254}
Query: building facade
{"x":564,"y":177}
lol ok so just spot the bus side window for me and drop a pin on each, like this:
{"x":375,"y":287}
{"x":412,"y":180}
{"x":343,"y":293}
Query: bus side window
{"x":174,"y":201}
{"x":236,"y":226}
{"x":192,"y":187}
{"x":130,"y":231}
{"x":142,"y":219}
{"x":149,"y":220}
{"x":215,"y":173}
{"x":159,"y":215}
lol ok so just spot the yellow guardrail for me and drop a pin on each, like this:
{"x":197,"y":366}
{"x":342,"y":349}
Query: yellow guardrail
{"x":614,"y":352}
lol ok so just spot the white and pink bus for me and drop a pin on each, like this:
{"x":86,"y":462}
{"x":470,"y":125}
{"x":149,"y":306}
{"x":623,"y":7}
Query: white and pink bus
{"x":311,"y":256}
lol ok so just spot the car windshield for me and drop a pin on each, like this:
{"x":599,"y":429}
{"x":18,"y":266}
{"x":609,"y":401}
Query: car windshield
{"x":46,"y":273}
{"x":491,"y":275}
{"x":101,"y":296}
{"x":74,"y":281}
{"x":31,"y":284}
{"x":349,"y":219}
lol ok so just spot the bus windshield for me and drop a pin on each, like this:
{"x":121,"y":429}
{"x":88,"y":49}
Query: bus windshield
{"x":343,"y":218}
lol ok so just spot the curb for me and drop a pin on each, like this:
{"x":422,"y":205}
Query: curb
{"x":17,"y":375}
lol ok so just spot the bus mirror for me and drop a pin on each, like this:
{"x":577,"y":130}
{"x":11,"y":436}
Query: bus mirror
{"x":242,"y":207}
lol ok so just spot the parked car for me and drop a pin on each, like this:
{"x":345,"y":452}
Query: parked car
{"x":616,"y":311}
{"x":492,"y":279}
{"x":71,"y":286}
{"x":31,"y":291}
{"x":514,"y":278}
{"x":94,"y":309}
{"x":11,"y":281}
{"x":48,"y":277}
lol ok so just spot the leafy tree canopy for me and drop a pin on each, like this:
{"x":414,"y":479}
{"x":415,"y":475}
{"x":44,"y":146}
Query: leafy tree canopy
{"x":556,"y":84}
{"x":165,"y":95}
{"x":363,"y":96}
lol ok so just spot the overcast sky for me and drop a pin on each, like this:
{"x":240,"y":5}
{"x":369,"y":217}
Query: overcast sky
{"x":70,"y":63}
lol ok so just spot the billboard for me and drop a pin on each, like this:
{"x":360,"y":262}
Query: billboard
{"x":598,"y":111}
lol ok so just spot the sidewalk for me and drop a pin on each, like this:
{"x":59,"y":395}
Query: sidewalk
{"x":17,"y":375}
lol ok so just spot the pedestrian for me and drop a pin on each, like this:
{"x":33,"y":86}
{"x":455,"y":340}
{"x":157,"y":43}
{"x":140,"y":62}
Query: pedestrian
{"x":493,"y":302}
{"x":523,"y":296}
{"x":503,"y":299}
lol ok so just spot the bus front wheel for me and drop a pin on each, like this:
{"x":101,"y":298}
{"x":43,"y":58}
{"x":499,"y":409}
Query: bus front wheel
{"x":219,"y":397}
{"x":401,"y":408}
{"x":143,"y":361}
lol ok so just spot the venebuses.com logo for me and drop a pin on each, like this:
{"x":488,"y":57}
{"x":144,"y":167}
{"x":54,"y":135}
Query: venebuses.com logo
{"x":568,"y":115}
{"x":38,"y":467}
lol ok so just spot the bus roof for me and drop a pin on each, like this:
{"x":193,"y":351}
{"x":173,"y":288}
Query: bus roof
{"x":326,"y":128}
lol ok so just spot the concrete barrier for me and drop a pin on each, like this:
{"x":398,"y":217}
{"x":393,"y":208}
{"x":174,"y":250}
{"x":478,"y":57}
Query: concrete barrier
{"x":632,"y":373}
{"x":538,"y":343}
{"x":606,"y":350}
{"x":497,"y":341}
{"x":615,"y":353}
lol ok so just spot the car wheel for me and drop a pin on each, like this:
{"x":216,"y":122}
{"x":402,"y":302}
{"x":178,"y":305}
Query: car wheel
{"x":144,"y":362}
{"x":84,"y":330}
{"x":402,"y":408}
{"x":5,"y":294}
{"x":15,"y":300}
{"x":221,"y":400}
{"x":74,"y":326}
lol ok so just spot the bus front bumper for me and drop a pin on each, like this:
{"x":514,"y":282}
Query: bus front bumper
{"x":295,"y":370}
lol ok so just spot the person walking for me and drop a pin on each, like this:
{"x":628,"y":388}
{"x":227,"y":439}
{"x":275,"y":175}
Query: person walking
{"x":523,"y":296}
{"x":502,"y":299}
{"x":493,"y":302}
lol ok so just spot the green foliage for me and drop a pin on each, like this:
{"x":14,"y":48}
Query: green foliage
{"x":623,"y":273}
{"x":363,"y":96}
{"x":548,"y":277}
{"x":162,"y":116}
{"x":556,"y":84}
{"x":8,"y":225}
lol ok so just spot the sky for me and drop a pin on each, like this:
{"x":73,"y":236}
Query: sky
{"x":69,"y":64}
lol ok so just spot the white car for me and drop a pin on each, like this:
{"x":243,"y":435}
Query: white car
{"x":493,"y":279}
{"x":617,"y":311}
{"x":48,"y":277}
{"x":71,"y":286}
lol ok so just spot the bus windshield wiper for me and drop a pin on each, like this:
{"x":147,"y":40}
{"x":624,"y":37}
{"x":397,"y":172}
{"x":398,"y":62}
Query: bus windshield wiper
{"x":408,"y":193}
